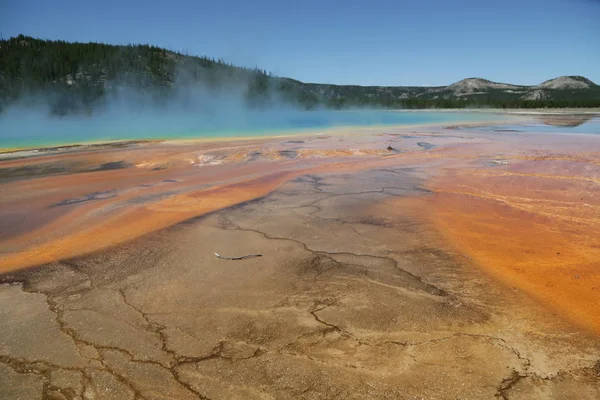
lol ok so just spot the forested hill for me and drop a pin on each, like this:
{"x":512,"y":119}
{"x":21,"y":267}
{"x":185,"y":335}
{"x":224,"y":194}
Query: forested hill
{"x":80,"y":77}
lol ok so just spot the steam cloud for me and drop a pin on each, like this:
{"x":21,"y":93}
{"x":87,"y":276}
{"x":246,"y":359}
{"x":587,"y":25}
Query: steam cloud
{"x":191,"y":108}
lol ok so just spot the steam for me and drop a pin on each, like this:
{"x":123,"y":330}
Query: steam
{"x":189,"y":108}
{"x":193,"y":106}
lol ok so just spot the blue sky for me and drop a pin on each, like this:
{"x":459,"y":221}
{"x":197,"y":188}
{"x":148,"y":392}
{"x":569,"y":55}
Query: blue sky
{"x":375,"y":42}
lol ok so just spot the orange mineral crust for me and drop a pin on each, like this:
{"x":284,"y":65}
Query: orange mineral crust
{"x":525,"y":208}
{"x":135,"y":222}
{"x":69,"y":204}
{"x":535,"y":226}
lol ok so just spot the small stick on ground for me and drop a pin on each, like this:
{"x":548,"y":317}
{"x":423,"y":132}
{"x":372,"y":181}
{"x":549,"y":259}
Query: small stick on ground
{"x":238,"y":258}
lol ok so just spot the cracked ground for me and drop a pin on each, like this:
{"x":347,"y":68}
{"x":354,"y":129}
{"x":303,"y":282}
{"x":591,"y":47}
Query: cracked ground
{"x":352,"y":298}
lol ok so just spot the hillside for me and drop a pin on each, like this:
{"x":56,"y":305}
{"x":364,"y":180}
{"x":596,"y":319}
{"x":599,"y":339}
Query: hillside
{"x":82,"y":77}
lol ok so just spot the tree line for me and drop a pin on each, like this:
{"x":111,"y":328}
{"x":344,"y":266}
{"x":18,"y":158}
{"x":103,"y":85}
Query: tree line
{"x":78,"y":77}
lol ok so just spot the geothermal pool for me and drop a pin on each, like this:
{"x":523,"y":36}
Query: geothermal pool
{"x":24,"y":129}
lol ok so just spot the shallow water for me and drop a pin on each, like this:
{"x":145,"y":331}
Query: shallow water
{"x":19,"y":130}
{"x":591,"y":126}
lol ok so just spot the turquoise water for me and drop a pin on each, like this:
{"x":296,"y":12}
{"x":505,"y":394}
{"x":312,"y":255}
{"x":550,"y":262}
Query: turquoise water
{"x":27,"y":129}
{"x":19,"y":130}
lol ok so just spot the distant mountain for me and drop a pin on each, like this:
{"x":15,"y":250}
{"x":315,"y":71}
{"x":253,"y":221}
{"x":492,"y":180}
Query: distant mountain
{"x":83,"y":77}
{"x":559,"y":92}
{"x":567,"y":83}
{"x":477,"y":85}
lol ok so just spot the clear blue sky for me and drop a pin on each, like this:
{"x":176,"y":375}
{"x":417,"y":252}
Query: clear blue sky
{"x":369,"y":42}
